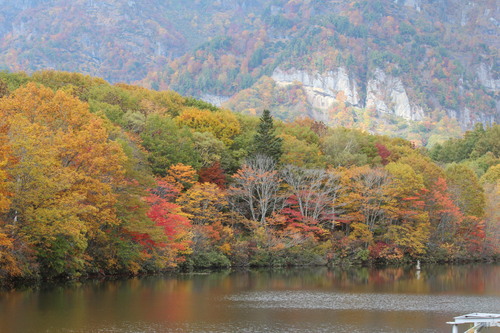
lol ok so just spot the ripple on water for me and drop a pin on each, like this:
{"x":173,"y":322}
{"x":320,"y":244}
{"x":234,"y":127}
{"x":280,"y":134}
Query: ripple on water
{"x":370,"y":302}
{"x":239,"y":327}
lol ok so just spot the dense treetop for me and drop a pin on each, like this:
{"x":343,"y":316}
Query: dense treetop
{"x":100,"y":179}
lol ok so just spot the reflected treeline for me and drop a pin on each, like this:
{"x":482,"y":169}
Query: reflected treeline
{"x":207,"y":298}
{"x":431,"y":278}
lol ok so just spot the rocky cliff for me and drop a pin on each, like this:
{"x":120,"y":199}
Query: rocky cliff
{"x":387,"y":94}
{"x":384,"y":93}
{"x":416,"y":60}
{"x":324,"y":87}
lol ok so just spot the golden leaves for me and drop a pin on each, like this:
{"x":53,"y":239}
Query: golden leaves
{"x":222,"y":124}
{"x":66,"y":169}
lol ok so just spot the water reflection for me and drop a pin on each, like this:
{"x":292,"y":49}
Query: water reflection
{"x":297,"y":300}
{"x":369,"y":302}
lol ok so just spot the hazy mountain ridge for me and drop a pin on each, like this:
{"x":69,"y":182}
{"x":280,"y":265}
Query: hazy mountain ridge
{"x":413,"y":60}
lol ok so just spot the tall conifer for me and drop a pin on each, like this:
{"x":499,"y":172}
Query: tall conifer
{"x":265,"y":141}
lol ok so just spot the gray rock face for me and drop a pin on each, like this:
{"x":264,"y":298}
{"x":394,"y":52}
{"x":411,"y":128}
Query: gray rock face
{"x":216,"y":100}
{"x":413,"y":4}
{"x":326,"y":84}
{"x":387,"y":94}
{"x":318,"y":98}
{"x":466,"y":119}
{"x":487,"y":77}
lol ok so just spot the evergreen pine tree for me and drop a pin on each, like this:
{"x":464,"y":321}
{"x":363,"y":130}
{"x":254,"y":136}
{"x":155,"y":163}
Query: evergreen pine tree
{"x":265,"y":141}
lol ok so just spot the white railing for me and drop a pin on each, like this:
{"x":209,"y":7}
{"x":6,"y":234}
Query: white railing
{"x":479,"y":320}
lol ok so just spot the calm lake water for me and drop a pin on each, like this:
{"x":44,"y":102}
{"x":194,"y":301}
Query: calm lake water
{"x":291,"y":300}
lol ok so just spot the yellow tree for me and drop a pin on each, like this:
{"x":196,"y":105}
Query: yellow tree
{"x":223,"y":124}
{"x":4,"y":160}
{"x":65,"y":175}
{"x":206,"y":205}
{"x":409,"y":224}
{"x":363,"y":199}
{"x":181,"y":176}
{"x":9,"y":266}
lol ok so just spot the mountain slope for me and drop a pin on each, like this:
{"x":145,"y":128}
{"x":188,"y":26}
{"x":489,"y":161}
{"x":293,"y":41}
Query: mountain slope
{"x":375,"y":64}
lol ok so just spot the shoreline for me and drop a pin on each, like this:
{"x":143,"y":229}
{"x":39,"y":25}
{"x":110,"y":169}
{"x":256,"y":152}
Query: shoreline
{"x":43,"y":282}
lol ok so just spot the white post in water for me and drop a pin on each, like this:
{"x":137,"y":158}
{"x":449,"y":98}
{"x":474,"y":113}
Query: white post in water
{"x":454,"y":329}
{"x":418,"y":265}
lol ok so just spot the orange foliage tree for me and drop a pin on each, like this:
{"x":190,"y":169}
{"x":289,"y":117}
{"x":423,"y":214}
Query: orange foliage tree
{"x":206,"y":205}
{"x":181,"y":176}
{"x":65,"y":176}
{"x":174,"y":223}
{"x":409,"y":227}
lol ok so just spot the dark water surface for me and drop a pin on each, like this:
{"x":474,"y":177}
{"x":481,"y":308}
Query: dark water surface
{"x":291,"y":300}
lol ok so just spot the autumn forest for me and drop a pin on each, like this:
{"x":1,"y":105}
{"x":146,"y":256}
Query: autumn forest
{"x":99,"y":179}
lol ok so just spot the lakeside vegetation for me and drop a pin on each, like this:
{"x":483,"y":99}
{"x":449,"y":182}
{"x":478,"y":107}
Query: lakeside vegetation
{"x":100,"y":179}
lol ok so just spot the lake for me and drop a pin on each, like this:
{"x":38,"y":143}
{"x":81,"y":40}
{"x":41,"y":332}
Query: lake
{"x":287,"y":300}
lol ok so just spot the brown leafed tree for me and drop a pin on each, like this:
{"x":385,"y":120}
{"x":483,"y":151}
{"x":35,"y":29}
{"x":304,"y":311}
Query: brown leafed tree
{"x":255,"y":189}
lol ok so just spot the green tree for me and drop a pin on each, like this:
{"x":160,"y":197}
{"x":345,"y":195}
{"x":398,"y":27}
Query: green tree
{"x":346,"y":147}
{"x":168,"y":144}
{"x":491,"y":183}
{"x":466,"y":190}
{"x":300,"y":153}
{"x":265,"y":141}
